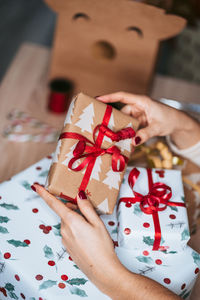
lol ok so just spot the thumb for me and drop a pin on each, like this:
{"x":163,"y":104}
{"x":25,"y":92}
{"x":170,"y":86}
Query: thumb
{"x":144,"y":135}
{"x":87,"y":209}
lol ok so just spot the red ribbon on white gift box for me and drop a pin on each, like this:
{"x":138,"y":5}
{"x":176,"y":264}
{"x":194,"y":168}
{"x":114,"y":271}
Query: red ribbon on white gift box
{"x":154,"y":202}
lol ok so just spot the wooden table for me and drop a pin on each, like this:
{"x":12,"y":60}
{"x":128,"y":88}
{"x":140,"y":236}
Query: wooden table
{"x":25,"y":87}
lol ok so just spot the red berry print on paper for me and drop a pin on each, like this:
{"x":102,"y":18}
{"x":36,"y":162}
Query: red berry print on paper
{"x":158,"y":261}
{"x":167,"y":280}
{"x":51,"y":263}
{"x":27,"y":242}
{"x":48,"y":228}
{"x":61,"y":285}
{"x":49,"y":156}
{"x":3,"y":290}
{"x":38,"y":277}
{"x":17,"y":277}
{"x":145,"y":253}
{"x":38,"y":168}
{"x":7,"y":255}
{"x":64,"y":277}
{"x":128,"y":204}
{"x":172,"y":217}
{"x":196,"y":271}
{"x":22,"y":295}
{"x":146,"y":225}
{"x":70,"y":258}
{"x":45,"y":229}
{"x":35,"y":210}
{"x":127,"y":231}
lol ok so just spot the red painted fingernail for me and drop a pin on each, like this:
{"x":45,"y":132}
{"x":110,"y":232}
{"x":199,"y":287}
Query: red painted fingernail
{"x":82,"y":195}
{"x":33,"y":188}
{"x":137,"y":140}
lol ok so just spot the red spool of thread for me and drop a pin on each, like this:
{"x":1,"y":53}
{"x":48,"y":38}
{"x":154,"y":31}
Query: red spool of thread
{"x":60,"y":95}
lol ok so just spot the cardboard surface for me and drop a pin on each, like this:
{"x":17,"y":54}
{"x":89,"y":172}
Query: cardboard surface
{"x":109,"y":45}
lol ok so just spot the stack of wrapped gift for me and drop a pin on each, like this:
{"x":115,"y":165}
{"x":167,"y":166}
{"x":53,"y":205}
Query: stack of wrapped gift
{"x":153,"y":229}
{"x":92,"y":154}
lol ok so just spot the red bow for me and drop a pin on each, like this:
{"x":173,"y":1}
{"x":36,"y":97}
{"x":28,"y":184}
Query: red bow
{"x":156,"y":200}
{"x":90,"y":150}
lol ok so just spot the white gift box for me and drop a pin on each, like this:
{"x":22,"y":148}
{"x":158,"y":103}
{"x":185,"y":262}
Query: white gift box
{"x":177,"y":272}
{"x":138,"y":229}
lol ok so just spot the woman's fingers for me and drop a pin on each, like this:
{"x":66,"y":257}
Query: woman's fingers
{"x":127,"y":109}
{"x":87,"y":208}
{"x":123,"y":97}
{"x":55,"y":204}
{"x":132,"y":110}
{"x":65,"y":210}
{"x":144,"y":134}
{"x":71,"y":205}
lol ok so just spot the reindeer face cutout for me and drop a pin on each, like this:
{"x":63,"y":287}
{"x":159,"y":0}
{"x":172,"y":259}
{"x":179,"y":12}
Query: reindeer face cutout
{"x":109,"y":45}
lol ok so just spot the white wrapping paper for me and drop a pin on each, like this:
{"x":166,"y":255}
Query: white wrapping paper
{"x":177,"y":272}
{"x":33,"y":262}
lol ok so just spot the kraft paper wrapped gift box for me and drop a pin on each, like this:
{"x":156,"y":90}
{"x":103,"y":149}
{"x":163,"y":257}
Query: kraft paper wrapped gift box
{"x":86,"y":157}
{"x":152,"y":212}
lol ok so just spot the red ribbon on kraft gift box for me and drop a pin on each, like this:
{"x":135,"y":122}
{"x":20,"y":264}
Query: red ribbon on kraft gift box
{"x":89,"y":151}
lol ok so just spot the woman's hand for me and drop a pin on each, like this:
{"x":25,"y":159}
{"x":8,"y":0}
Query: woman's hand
{"x":86,"y":240}
{"x":157,"y":119}
{"x":91,"y":248}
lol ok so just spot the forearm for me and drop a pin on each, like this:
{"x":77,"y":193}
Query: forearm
{"x":130,"y":286}
{"x":186,"y":132}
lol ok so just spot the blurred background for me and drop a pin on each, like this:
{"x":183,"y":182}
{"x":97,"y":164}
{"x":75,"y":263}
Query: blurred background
{"x":23,"y":21}
{"x":33,"y":21}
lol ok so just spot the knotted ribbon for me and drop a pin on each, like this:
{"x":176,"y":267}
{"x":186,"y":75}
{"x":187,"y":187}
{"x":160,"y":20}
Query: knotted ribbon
{"x":89,"y":151}
{"x":155,"y":201}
